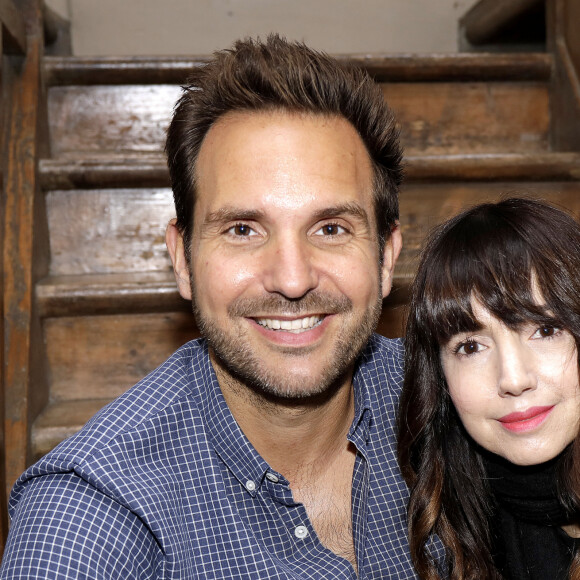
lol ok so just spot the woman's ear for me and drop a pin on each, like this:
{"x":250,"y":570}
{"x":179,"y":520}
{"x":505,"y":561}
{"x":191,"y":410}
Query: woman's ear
{"x":174,"y":241}
{"x":391,"y":253}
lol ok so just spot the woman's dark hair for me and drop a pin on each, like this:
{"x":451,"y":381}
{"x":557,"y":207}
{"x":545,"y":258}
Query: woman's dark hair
{"x":277,"y":75}
{"x":503,"y":254}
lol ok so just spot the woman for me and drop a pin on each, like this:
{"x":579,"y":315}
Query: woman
{"x":490,"y":410}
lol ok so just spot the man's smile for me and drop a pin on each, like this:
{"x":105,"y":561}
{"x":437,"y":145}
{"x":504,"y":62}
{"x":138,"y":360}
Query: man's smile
{"x":296,"y":325}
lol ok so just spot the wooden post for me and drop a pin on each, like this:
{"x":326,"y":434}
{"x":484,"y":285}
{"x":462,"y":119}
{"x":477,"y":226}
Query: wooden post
{"x":12,"y":42}
{"x":24,"y":235}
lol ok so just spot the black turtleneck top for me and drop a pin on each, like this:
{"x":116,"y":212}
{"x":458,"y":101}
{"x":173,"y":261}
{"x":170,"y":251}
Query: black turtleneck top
{"x":529,"y":543}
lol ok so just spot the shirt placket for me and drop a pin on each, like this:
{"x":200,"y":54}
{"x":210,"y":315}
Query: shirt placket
{"x":300,"y":528}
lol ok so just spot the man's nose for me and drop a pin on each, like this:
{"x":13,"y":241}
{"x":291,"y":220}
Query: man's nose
{"x":516,"y":369}
{"x":288,"y":267}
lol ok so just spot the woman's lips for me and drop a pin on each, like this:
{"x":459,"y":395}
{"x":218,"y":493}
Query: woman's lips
{"x":526,"y":420}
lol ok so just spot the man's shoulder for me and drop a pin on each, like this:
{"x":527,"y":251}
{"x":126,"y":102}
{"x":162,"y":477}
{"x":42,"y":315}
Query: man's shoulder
{"x":147,"y":409}
{"x":383,"y":357}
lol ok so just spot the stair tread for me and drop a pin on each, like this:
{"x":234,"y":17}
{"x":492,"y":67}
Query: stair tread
{"x":61,"y":419}
{"x":384,"y":67}
{"x":151,"y":170}
{"x":155,"y":290}
{"x":109,"y":293}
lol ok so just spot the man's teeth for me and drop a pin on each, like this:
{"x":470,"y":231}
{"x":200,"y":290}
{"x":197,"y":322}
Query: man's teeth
{"x":296,"y":326}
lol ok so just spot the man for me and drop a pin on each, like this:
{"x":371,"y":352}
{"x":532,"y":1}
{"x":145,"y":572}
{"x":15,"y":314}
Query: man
{"x":266,"y":449}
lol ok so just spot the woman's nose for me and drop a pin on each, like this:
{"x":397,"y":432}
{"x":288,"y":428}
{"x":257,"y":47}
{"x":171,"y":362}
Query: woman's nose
{"x":516,"y":370}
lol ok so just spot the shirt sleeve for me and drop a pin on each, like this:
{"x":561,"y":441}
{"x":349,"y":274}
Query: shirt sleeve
{"x":63,"y":527}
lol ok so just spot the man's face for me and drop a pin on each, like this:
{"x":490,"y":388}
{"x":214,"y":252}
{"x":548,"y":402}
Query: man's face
{"x":286,"y":278}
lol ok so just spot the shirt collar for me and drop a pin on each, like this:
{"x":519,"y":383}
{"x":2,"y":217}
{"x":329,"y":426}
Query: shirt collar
{"x":360,"y":427}
{"x":229,"y":441}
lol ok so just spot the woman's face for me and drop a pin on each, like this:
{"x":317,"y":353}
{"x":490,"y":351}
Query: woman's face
{"x":516,"y":391}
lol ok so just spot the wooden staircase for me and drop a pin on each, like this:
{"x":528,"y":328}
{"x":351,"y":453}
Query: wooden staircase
{"x":103,"y":299}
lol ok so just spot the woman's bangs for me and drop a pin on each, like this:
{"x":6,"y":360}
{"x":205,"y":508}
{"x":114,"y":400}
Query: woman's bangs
{"x":471,"y":262}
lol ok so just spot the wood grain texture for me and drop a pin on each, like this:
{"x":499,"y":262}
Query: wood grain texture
{"x":563,"y":42}
{"x":383,"y":67}
{"x":105,"y":119}
{"x":423,"y":206}
{"x":435,"y":118}
{"x":13,"y":25}
{"x":100,"y":357}
{"x":444,"y":118}
{"x":92,"y":294}
{"x":108,"y":231}
{"x":150,"y":171}
{"x":22,"y":262}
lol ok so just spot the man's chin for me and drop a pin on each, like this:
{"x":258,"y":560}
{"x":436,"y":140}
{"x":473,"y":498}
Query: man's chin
{"x":280,"y":381}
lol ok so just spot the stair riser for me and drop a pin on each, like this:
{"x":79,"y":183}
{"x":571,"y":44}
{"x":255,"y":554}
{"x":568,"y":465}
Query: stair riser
{"x":121,"y":231}
{"x":435,"y":118}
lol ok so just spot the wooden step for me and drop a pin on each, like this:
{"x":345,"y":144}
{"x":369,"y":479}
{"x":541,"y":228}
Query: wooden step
{"x":434,"y":117}
{"x":107,"y":231}
{"x":151,"y":170}
{"x":96,"y":294}
{"x":139,"y":319}
{"x":61,"y":420}
{"x":60,"y":71}
{"x":124,"y":290}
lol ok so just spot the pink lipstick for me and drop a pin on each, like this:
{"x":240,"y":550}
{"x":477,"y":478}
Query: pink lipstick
{"x":526,"y":420}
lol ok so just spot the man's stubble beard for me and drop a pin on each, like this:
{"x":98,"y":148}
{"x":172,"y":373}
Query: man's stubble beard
{"x":235,"y":356}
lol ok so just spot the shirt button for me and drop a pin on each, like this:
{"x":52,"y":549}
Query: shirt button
{"x":301,"y":532}
{"x":272,"y":477}
{"x":250,"y":485}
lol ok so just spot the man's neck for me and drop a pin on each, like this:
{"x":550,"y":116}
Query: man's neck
{"x":291,"y":435}
{"x":305,"y":441}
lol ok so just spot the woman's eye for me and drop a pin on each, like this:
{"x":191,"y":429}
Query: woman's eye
{"x":468,"y":347}
{"x":546,"y":331}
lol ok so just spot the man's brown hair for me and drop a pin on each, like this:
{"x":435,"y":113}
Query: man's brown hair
{"x":289,"y":77}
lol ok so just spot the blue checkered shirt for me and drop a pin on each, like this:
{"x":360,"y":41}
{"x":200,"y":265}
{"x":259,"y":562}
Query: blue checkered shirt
{"x":162,"y":483}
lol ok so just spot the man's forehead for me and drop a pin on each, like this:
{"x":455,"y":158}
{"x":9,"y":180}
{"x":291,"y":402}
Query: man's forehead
{"x":283,"y":146}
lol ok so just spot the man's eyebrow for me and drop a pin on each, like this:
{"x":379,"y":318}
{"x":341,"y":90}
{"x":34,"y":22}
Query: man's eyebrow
{"x":231,"y":213}
{"x":350,"y":208}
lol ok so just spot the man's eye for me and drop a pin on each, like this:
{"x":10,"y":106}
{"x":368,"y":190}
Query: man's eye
{"x":331,"y":230}
{"x":241,"y":230}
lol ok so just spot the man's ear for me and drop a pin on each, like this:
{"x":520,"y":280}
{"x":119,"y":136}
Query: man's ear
{"x":174,"y":241}
{"x":390,"y":254}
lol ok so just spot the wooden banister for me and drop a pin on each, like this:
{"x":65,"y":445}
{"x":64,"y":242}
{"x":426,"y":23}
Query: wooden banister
{"x":24,"y":258}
